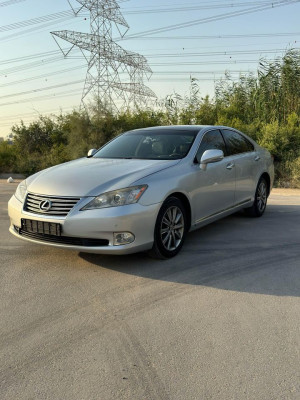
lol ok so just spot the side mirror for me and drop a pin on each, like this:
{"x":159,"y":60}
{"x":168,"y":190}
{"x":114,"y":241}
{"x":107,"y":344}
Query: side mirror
{"x":91,"y":153}
{"x":210,"y":156}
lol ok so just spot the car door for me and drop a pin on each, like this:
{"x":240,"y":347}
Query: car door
{"x":213,"y":187}
{"x":245,"y":162}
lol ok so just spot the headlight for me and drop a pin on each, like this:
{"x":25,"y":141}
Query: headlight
{"x":117,"y":198}
{"x":21,"y":191}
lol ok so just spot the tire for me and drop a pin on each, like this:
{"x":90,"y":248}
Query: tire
{"x":260,"y":201}
{"x":170,"y":229}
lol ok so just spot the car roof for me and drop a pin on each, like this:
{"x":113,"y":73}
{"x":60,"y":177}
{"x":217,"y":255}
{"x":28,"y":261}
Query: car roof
{"x":192,"y":128}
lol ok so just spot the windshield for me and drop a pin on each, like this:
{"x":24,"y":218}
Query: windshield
{"x":150,"y":145}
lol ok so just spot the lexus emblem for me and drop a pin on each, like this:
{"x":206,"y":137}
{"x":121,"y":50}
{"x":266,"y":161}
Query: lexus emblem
{"x":45,"y":205}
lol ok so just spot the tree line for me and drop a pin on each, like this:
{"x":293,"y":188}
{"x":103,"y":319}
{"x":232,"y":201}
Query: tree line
{"x":265,"y":106}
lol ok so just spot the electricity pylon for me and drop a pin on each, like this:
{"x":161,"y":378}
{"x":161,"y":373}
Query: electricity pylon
{"x":115,"y":76}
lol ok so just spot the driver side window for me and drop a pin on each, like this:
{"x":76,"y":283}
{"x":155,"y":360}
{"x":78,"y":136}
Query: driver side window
{"x":212,"y":140}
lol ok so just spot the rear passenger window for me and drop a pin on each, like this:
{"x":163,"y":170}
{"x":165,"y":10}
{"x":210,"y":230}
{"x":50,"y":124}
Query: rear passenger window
{"x":212,"y":140}
{"x":236,"y":143}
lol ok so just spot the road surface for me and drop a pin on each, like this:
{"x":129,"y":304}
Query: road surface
{"x":219,"y":321}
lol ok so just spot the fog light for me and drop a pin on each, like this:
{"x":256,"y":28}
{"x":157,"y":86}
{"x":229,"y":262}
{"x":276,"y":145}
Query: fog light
{"x":121,"y":238}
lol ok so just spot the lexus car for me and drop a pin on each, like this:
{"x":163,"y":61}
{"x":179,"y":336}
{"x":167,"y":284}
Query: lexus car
{"x":144,"y":191}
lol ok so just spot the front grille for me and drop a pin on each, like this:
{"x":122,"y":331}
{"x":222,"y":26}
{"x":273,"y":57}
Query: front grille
{"x":60,"y":206}
{"x":75,"y":241}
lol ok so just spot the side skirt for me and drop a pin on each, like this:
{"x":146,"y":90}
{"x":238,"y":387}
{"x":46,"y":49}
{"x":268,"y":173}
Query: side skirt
{"x":222,"y":214}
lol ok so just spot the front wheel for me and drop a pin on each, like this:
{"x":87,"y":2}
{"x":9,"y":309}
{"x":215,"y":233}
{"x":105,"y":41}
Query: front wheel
{"x":170,"y":229}
{"x":260,"y":200}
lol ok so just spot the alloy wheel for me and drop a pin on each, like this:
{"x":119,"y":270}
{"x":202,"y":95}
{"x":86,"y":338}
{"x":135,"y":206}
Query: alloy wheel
{"x":261,"y":198}
{"x":172,"y":228}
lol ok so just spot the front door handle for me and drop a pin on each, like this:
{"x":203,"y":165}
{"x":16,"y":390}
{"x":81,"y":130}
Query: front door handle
{"x":230,"y":165}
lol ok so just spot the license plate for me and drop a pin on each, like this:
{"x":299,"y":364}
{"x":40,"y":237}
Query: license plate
{"x":44,"y":228}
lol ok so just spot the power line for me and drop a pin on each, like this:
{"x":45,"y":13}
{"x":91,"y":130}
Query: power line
{"x":41,"y":89}
{"x":30,"y":57}
{"x":228,"y":3}
{"x":212,"y":19}
{"x":216,"y":62}
{"x":33,"y":64}
{"x":30,"y":115}
{"x":38,"y":20}
{"x":76,"y":91}
{"x":215,"y":53}
{"x":221,"y":36}
{"x":47,"y":75}
{"x":155,"y":79}
{"x":41,"y":98}
{"x":237,"y":36}
{"x":70,"y":13}
{"x":30,"y":30}
{"x":157,"y":73}
{"x":53,"y":58}
{"x":194,"y":8}
{"x":10,"y":3}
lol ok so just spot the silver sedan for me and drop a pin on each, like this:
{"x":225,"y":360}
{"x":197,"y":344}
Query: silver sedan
{"x":144,"y":190}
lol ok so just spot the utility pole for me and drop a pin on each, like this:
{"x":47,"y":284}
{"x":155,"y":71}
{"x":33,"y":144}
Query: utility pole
{"x":115,"y":76}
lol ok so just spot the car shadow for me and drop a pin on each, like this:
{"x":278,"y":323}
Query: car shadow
{"x":255,"y":255}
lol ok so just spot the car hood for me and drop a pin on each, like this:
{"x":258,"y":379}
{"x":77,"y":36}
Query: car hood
{"x":93,"y":176}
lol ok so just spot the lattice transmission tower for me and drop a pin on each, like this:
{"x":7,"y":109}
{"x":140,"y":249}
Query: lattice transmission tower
{"x":115,"y":76}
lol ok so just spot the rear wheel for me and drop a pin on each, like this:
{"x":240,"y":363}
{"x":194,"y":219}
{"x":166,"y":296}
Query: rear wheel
{"x":170,"y":229}
{"x":260,"y":200}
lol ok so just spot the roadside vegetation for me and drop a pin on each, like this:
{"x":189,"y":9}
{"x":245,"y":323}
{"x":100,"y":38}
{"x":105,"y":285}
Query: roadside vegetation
{"x":265,"y":106}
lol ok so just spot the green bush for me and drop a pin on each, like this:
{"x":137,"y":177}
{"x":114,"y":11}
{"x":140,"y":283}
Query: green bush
{"x":266,"y":107}
{"x":7,"y":157}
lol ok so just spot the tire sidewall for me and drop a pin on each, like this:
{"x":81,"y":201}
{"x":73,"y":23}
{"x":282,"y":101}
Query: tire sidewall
{"x":258,"y":212}
{"x":158,"y":245}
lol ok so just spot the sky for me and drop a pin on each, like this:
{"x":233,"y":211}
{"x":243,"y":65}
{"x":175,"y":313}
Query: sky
{"x":180,"y":39}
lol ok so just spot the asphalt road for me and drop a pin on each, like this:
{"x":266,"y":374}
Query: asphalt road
{"x":219,"y":321}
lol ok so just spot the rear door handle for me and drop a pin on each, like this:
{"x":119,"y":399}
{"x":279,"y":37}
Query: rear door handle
{"x":257,"y":158}
{"x":230,"y":165}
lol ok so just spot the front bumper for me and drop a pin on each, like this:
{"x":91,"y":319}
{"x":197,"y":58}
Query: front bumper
{"x":94,"y":224}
